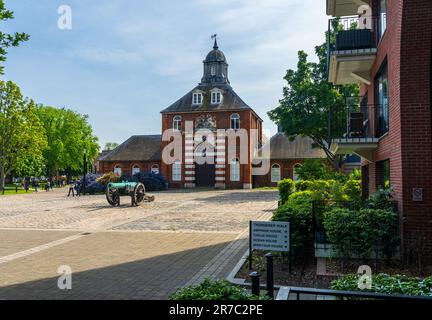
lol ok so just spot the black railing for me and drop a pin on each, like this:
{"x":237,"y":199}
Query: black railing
{"x":285,"y":292}
{"x":354,"y":33}
{"x":365,"y":121}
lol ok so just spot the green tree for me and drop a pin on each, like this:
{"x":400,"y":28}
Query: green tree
{"x":312,"y":106}
{"x":8,"y":40}
{"x":68,"y":135}
{"x":111,"y":146}
{"x":22,"y":138}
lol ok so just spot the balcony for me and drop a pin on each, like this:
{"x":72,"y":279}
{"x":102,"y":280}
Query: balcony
{"x":365,"y":124}
{"x":339,"y":8}
{"x":352,"y":48}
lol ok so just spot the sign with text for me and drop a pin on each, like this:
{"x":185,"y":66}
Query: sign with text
{"x":269,"y":235}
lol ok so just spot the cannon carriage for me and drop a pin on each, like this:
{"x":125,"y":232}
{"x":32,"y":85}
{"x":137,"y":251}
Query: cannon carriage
{"x":135,"y":190}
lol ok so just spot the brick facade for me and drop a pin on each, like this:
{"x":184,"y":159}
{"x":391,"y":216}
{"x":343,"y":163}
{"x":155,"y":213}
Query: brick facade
{"x":406,"y":46}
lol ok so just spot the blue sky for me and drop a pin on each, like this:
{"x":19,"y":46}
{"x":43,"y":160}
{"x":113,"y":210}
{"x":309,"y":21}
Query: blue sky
{"x":125,"y":61}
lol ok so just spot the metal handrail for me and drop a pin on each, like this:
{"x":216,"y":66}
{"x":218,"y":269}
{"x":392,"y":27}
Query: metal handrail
{"x":284,"y":293}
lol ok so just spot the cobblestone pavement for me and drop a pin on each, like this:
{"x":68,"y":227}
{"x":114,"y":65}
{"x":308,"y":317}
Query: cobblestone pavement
{"x":127,"y":252}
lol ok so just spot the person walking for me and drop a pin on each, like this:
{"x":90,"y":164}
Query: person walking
{"x":71,"y":188}
{"x":78,"y":188}
{"x":36,"y":184}
{"x":26,"y":184}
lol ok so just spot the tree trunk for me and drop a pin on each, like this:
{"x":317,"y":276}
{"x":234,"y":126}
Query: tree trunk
{"x":2,"y":178}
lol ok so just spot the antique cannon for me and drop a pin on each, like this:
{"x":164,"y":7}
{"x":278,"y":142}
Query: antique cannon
{"x":135,"y":190}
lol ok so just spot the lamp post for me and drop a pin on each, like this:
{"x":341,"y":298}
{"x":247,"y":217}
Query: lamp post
{"x":85,"y":172}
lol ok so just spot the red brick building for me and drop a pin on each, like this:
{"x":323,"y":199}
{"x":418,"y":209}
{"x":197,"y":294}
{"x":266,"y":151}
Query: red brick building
{"x":200,"y":118}
{"x":390,"y":125}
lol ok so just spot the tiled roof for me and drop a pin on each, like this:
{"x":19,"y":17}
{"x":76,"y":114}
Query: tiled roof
{"x":137,"y":148}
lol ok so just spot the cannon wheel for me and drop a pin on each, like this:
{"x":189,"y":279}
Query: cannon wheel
{"x":138,"y":194}
{"x":113,"y":196}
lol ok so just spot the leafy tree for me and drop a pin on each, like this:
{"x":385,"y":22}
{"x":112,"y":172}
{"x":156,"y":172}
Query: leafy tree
{"x":68,"y":135}
{"x":312,"y":106}
{"x":8,"y":40}
{"x":22,"y":138}
{"x":111,"y":146}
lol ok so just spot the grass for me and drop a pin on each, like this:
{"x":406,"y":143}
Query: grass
{"x":10,"y":192}
{"x":266,"y":188}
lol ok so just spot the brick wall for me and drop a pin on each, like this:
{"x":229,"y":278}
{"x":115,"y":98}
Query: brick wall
{"x":407,"y":46}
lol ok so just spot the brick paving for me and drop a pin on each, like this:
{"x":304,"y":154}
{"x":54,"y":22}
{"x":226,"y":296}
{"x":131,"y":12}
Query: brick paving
{"x":122,"y":253}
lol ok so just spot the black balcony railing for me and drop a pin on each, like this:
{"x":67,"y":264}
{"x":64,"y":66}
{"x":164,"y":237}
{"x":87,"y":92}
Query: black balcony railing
{"x":354,"y":33}
{"x":365,"y":120}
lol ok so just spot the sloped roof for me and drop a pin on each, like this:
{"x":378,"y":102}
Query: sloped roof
{"x":137,"y":148}
{"x":300,"y":148}
{"x":230,"y":101}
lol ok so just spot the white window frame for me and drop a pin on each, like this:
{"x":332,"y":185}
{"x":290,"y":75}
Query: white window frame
{"x":118,"y":170}
{"x":275,"y":173}
{"x":295,"y":176}
{"x":177,"y":171}
{"x":212,"y":71}
{"x":216,"y":97}
{"x":197,"y":98}
{"x":235,"y":169}
{"x":235,"y":117}
{"x":155,"y":169}
{"x":134,"y":168}
{"x":177,"y":123}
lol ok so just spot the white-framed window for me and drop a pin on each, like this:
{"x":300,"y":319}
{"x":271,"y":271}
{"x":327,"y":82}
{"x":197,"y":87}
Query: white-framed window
{"x":275,"y":173}
{"x":177,"y":123}
{"x":136,"y":169}
{"x":235,"y":169}
{"x":177,"y":171}
{"x":155,"y":169}
{"x":118,"y":170}
{"x":213,"y":70}
{"x":295,"y":174}
{"x":235,"y":121}
{"x":216,"y":97}
{"x":197,"y":98}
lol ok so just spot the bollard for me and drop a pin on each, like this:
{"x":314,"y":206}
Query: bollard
{"x":270,"y":278}
{"x":255,"y":276}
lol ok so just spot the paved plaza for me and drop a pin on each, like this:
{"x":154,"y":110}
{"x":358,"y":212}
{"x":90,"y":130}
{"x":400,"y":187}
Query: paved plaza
{"x":123,"y":252}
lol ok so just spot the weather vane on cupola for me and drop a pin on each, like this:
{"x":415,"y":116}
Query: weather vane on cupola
{"x":214,"y":36}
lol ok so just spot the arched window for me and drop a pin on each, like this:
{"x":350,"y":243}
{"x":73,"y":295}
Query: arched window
{"x":176,"y":172}
{"x":235,"y":169}
{"x":235,"y":121}
{"x":177,"y":123}
{"x":155,"y":169}
{"x":136,"y":169}
{"x":295,"y":174}
{"x":118,"y":170}
{"x":275,"y":173}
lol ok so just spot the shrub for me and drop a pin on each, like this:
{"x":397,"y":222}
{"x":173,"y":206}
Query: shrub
{"x":214,"y":290}
{"x":361,"y":232}
{"x":321,"y":188}
{"x":107,"y":178}
{"x":286,"y":187}
{"x":314,"y":169}
{"x":298,"y":211}
{"x":91,"y":185}
{"x":151,"y":181}
{"x":352,"y":190}
{"x":381,"y":199}
{"x":387,"y":284}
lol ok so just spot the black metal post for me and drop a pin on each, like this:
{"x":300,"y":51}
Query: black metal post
{"x":85,"y":172}
{"x":290,"y":252}
{"x":250,"y":246}
{"x":255,"y":276}
{"x":270,"y":277}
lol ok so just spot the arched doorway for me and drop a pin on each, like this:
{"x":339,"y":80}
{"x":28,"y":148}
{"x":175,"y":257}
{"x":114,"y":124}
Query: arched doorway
{"x":205,"y":169}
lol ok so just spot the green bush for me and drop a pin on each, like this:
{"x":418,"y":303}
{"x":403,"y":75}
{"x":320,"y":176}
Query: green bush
{"x":298,"y":211}
{"x":381,"y":199}
{"x":386,"y":284}
{"x":313,"y":169}
{"x":214,"y":290}
{"x":361,"y":232}
{"x":286,"y":187}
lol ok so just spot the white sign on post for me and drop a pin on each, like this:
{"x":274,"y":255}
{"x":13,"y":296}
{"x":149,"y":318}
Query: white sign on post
{"x":270,"y":236}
